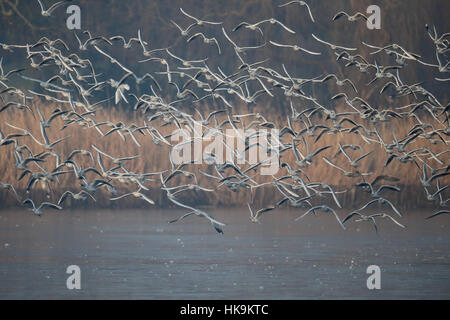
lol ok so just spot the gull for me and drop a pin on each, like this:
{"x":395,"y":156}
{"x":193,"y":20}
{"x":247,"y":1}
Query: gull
{"x":136,"y":194}
{"x":163,"y":62}
{"x":198,"y":21}
{"x":248,"y":26}
{"x":186,"y":63}
{"x":116,"y":84}
{"x":139,"y":80}
{"x":237,"y":48}
{"x":402,"y":158}
{"x":440,"y":66}
{"x":51,"y":43}
{"x":381,"y":72}
{"x":46,"y":123}
{"x":384,"y":177}
{"x":350,"y":58}
{"x":42,"y":206}
{"x":184,"y":32}
{"x":177,"y":172}
{"x":91,"y":40}
{"x":44,"y":177}
{"x":126,"y":44}
{"x":426,"y":181}
{"x":121,"y":129}
{"x":425,"y":151}
{"x":295,"y":47}
{"x":401,"y":146}
{"x":438,"y":41}
{"x":442,"y":203}
{"x":302,"y":3}
{"x":332,"y":46}
{"x":82,"y":195}
{"x":406,"y":55}
{"x":274,"y":21}
{"x":350,"y":174}
{"x":47,"y":145}
{"x":353,"y":163}
{"x":216,"y":96}
{"x":82,"y":152}
{"x":92,"y":187}
{"x":184,"y":93}
{"x":22,"y":163}
{"x":8,"y":186}
{"x":79,"y":173}
{"x":186,"y":187}
{"x":338,"y":82}
{"x":380,"y":200}
{"x":113,"y":60}
{"x":350,"y":18}
{"x":205,"y":40}
{"x":432,"y":197}
{"x":371,"y":218}
{"x":45,"y":84}
{"x":105,"y":173}
{"x":9,"y":139}
{"x":254,"y":217}
{"x":3,"y":76}
{"x":120,"y":93}
{"x":10,"y":47}
{"x":323,"y":208}
{"x":216,"y":224}
{"x":296,"y":203}
{"x":48,"y":12}
{"x":376,"y":194}
{"x":311,"y":186}
{"x":157,"y":137}
{"x":438,"y":214}
{"x":309,"y":156}
{"x":117,"y":161}
{"x":204,"y":121}
{"x":18,"y":105}
{"x":146,"y":52}
{"x":353,"y":147}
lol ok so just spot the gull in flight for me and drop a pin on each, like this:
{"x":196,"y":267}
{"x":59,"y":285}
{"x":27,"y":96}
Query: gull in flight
{"x":332,"y":46}
{"x":371,"y":218}
{"x":198,"y":22}
{"x":136,"y":194}
{"x":205,"y":40}
{"x":254,"y":217}
{"x":438,"y":214}
{"x":323,"y":208}
{"x":350,"y":18}
{"x":302,"y":3}
{"x":48,"y":12}
{"x":295,"y":47}
{"x":82,"y":195}
{"x":42,"y":206}
{"x":216,"y":224}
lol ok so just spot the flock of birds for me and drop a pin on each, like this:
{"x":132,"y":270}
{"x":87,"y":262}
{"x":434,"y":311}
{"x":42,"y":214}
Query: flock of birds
{"x":76,"y":84}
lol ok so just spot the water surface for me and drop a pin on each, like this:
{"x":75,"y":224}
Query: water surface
{"x":138,"y":255}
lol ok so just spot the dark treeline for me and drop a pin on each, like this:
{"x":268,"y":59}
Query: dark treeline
{"x":403,"y":22}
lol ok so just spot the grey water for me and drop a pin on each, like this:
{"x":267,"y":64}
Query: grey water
{"x":136,"y":254}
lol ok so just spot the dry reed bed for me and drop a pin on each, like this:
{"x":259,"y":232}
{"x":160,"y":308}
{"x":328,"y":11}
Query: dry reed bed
{"x":153,"y":158}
